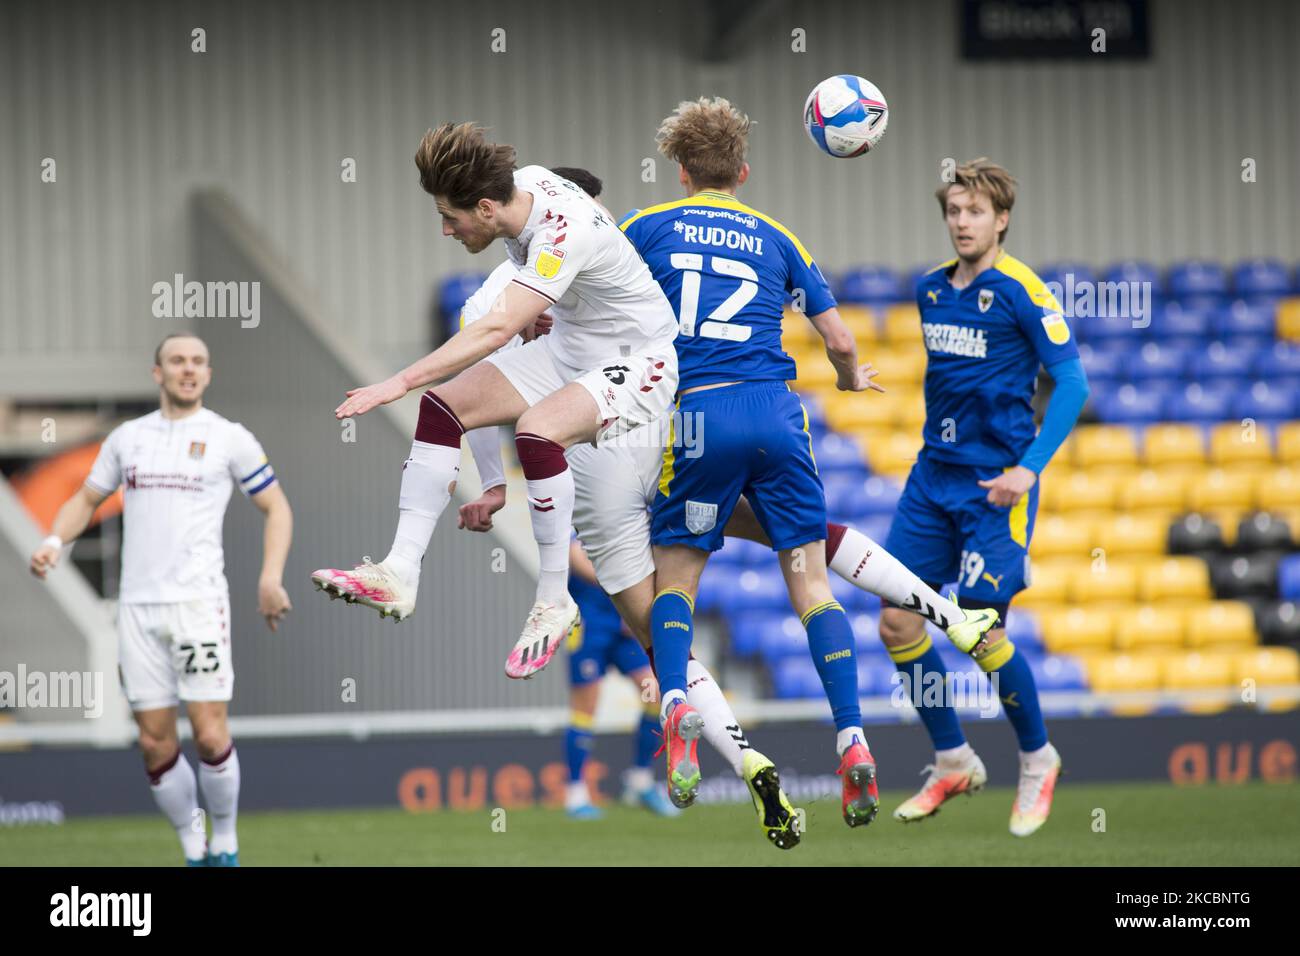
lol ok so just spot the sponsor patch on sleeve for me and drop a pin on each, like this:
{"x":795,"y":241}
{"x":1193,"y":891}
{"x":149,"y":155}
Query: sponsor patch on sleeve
{"x":1058,"y":333}
{"x":549,"y":260}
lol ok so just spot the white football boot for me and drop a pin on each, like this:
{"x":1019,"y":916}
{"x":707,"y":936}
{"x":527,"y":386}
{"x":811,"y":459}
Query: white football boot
{"x":547,"y":626}
{"x":943,"y":783}
{"x":374,"y":585}
{"x":1034,"y":793}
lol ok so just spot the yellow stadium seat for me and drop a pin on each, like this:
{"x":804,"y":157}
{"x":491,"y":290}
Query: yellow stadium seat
{"x":1117,"y":673}
{"x":1277,"y":489}
{"x":1220,"y":488}
{"x":1069,"y":629}
{"x":1172,"y":444}
{"x":898,"y":367}
{"x":1221,"y":623}
{"x":1149,"y":627}
{"x":1267,"y":666}
{"x":1084,"y":491}
{"x":1151,"y":490}
{"x":815,"y":376}
{"x":1288,"y":319}
{"x":902,"y":324}
{"x":1288,"y":443}
{"x":1105,"y":582}
{"x":895,"y":455}
{"x":797,"y":330}
{"x":1100,"y":445}
{"x":1178,"y":579}
{"x":849,"y":411}
{"x":912,"y":416}
{"x":1198,"y":671}
{"x":861,"y":321}
{"x":1132,"y":535}
{"x":1049,"y":582}
{"x":1233,"y":444}
{"x":1061,"y":536}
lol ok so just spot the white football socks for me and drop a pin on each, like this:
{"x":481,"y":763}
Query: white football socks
{"x":177,"y":797}
{"x":721,"y":728}
{"x":864,"y":563}
{"x":220,"y":785}
{"x":576,"y":795}
{"x":427,"y":477}
{"x":550,"y":506}
{"x":954,"y":758}
{"x":844,"y":739}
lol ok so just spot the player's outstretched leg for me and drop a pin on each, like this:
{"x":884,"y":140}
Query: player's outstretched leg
{"x":428,"y":478}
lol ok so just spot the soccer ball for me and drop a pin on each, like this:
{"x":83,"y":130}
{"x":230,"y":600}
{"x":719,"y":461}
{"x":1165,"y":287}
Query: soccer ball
{"x":845,"y":116}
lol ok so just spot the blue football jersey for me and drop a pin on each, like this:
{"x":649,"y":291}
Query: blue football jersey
{"x":726,"y":269}
{"x":984,"y":344}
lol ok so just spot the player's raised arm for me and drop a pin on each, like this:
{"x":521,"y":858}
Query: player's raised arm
{"x":73,"y":519}
{"x":514,"y":309}
{"x":842,"y":350}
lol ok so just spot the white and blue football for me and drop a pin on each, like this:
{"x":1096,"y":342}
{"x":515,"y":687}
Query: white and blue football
{"x":845,"y":116}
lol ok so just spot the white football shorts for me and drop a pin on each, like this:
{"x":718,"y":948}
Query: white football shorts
{"x":175,"y":652}
{"x":630,"y":391}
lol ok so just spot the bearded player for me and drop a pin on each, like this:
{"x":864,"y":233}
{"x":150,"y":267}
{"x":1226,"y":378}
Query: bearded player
{"x":178,"y":466}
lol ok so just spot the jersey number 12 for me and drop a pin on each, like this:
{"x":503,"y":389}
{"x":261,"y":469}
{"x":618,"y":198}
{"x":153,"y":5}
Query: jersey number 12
{"x":716,"y":324}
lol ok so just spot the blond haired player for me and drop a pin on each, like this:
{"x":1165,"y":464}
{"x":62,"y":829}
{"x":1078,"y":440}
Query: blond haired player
{"x":178,"y":466}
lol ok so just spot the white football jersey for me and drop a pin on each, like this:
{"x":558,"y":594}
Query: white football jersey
{"x":606,"y":302}
{"x":178,"y":475}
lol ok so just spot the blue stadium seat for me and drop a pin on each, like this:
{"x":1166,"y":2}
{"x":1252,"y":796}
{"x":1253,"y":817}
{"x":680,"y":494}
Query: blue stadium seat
{"x":913,"y":278}
{"x":1206,"y":404}
{"x":746,"y":630}
{"x":1281,"y":362}
{"x":1177,"y":324}
{"x":1288,"y":578}
{"x":760,"y":588}
{"x":1023,"y":629}
{"x":1135,"y":270}
{"x":1242,"y":323}
{"x":1261,"y":280}
{"x":1102,"y":364}
{"x":781,"y":637}
{"x":1198,"y":281}
{"x":852,"y":598}
{"x":1067,"y":275}
{"x":1265,"y":402}
{"x":872,"y":285}
{"x":1100,"y":330}
{"x":861,"y":498}
{"x":1129,"y":405}
{"x":795,"y":678}
{"x":875,"y":527}
{"x":836,"y":452}
{"x":455,"y":289}
{"x":875,"y":678}
{"x":1056,"y":672}
{"x":866,"y":634}
{"x":1156,"y":361}
{"x":1219,"y":360}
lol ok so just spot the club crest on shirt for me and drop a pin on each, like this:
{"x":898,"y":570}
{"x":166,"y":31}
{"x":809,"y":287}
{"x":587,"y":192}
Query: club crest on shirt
{"x":700,"y":516}
{"x":1058,"y":333}
{"x":986,"y":299}
{"x":549,"y":261}
{"x":197,"y":448}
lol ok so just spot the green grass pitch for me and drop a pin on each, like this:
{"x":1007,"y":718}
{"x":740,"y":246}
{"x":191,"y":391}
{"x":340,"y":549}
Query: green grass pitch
{"x":1145,"y":825}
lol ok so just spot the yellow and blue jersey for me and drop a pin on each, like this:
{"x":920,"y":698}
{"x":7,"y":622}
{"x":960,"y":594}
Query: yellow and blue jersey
{"x":984,"y":344}
{"x":727,"y":269}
